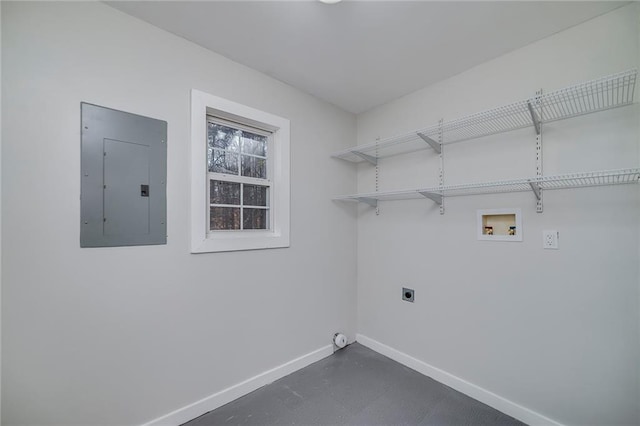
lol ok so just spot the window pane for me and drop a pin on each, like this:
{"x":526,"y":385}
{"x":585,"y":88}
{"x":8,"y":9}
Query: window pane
{"x":254,"y":195}
{"x":221,"y":192}
{"x":254,"y":144}
{"x":224,"y":162}
{"x":254,"y":219}
{"x":254,"y":167}
{"x":224,"y":218}
{"x":223,"y":137}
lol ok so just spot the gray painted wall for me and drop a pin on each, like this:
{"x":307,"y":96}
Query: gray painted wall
{"x":124,"y":335}
{"x":554,"y":331}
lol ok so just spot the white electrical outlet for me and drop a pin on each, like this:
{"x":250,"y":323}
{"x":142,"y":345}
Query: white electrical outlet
{"x":550,"y":239}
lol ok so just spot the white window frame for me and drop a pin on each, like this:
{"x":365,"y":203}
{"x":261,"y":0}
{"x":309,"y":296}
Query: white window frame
{"x":244,"y":180}
{"x":203,"y":240}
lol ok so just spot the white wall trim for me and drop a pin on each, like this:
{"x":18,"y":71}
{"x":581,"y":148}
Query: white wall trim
{"x":280,"y":192}
{"x":499,"y":403}
{"x":218,"y":399}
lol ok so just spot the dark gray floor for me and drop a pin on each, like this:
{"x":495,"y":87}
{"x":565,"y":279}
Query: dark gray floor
{"x":355,"y":386}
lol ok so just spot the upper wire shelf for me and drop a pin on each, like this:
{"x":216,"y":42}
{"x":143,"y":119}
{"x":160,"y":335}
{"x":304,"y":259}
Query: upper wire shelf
{"x":604,"y":93}
{"x":534,"y":184}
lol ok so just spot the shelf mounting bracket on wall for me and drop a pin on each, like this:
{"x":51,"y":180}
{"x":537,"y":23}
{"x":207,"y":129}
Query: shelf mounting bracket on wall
{"x":536,"y":189}
{"x":538,"y":125}
{"x":371,"y":159}
{"x":371,"y":201}
{"x":436,"y":198}
{"x":534,"y":117}
{"x":377,"y":178}
{"x":437,"y":147}
{"x":441,"y":156}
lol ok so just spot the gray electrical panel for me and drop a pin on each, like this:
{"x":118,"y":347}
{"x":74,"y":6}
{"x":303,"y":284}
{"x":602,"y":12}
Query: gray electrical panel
{"x":123,"y":178}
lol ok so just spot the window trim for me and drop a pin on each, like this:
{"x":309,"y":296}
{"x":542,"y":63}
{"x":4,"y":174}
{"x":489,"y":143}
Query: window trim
{"x":202,"y":241}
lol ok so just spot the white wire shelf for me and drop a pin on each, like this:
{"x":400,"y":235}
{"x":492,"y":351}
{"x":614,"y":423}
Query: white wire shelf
{"x":605,"y":93}
{"x":533,"y":184}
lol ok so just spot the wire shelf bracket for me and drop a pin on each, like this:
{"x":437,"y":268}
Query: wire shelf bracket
{"x":373,"y":202}
{"x":536,"y":190}
{"x":436,"y":198}
{"x":369,"y":158}
{"x":437,"y":146}
{"x":538,"y":125}
{"x":534,"y":118}
{"x":441,"y":159}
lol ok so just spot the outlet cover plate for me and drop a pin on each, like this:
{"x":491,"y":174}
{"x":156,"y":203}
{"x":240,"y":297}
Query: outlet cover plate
{"x":550,"y":239}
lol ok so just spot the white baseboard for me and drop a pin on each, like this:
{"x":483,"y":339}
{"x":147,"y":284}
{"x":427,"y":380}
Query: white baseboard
{"x":227,"y":395}
{"x":491,"y":399}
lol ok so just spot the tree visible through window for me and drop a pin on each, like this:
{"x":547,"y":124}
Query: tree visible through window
{"x":238,"y":176}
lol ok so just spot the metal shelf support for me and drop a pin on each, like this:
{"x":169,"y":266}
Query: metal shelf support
{"x":437,"y":147}
{"x":534,"y":117}
{"x":371,"y":159}
{"x":377,"y":179}
{"x":538,"y":100}
{"x":371,"y":201}
{"x":436,"y":198}
{"x":441,"y":158}
{"x":536,"y":190}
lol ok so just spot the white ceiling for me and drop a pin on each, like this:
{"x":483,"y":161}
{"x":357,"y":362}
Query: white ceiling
{"x":359,"y":54}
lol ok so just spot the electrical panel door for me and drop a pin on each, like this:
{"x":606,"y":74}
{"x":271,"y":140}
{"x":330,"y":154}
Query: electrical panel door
{"x":123,"y":178}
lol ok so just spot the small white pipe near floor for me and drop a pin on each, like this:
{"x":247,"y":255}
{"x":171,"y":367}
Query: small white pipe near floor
{"x":340,"y":340}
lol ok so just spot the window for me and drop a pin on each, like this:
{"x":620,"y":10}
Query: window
{"x":238,"y":171}
{"x":240,"y":176}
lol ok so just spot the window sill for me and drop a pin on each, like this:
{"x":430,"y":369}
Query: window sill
{"x":236,"y":241}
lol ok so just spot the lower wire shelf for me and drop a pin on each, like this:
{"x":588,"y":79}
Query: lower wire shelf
{"x":533,"y":184}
